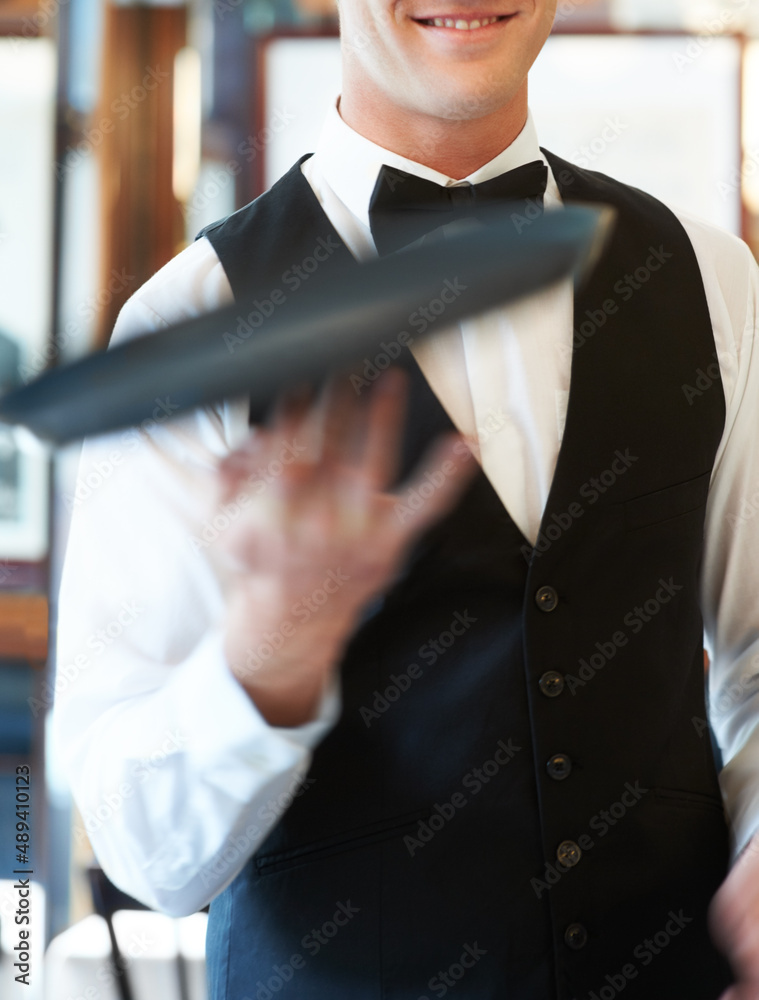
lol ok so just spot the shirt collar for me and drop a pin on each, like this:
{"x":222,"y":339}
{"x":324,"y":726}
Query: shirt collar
{"x":350,"y":163}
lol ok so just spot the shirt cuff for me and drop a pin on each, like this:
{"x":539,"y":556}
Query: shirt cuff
{"x":221,"y":720}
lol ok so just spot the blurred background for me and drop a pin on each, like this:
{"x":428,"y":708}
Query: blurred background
{"x":125,"y":127}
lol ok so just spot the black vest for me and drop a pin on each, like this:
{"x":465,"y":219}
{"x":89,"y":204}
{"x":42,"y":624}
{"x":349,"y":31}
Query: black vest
{"x":518,"y":801}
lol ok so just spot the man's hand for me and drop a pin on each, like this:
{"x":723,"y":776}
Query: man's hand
{"x":734,"y":920}
{"x":321,"y":535}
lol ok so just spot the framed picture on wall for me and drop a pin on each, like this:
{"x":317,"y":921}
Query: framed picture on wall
{"x":27,"y":189}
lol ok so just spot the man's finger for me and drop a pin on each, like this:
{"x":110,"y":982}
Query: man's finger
{"x":384,"y":435}
{"x":439,"y":480}
{"x":291,"y":408}
{"x":343,"y":421}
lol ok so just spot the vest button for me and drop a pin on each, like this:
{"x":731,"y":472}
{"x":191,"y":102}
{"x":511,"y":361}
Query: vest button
{"x":568,"y":853}
{"x":559,"y":766}
{"x":546,"y":599}
{"x":551,"y":684}
{"x":575,"y":937}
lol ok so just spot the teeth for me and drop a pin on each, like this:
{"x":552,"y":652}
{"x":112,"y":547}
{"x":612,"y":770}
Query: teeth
{"x":460,"y":24}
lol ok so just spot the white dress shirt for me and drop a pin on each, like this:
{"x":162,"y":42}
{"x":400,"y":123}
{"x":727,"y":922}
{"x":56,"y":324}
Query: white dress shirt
{"x":177,"y":776}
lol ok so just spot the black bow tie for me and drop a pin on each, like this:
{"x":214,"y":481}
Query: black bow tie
{"x":404,"y":207}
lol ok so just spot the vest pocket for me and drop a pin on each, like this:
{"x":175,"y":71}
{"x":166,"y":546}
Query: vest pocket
{"x":368,"y":833}
{"x":682,"y":498}
{"x":687,"y":800}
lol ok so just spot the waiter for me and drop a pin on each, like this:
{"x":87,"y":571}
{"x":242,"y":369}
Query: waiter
{"x":414,"y":720}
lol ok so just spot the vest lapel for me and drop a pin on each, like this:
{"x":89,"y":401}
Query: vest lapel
{"x":626,"y":386}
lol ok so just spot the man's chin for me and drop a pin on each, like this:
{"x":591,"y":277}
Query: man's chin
{"x":465,"y":104}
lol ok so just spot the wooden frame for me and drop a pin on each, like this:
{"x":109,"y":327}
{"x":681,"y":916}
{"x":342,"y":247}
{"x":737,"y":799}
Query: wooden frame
{"x":22,"y":18}
{"x":142,"y":221}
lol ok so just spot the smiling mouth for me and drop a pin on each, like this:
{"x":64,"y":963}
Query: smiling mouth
{"x":462,"y":24}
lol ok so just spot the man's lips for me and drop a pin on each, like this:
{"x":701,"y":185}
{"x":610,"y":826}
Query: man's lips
{"x":462,"y":22}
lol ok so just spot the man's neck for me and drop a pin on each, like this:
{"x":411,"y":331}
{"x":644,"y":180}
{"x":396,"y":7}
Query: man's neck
{"x":454,"y":148}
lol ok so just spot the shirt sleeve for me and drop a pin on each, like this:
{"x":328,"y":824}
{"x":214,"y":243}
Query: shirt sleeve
{"x":176,"y":775}
{"x":730,"y":579}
